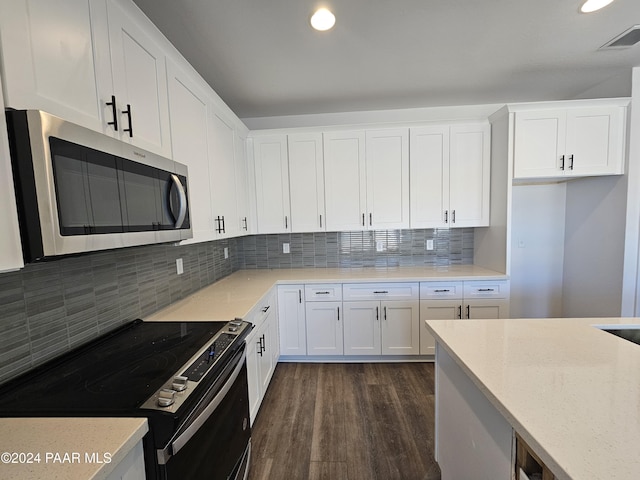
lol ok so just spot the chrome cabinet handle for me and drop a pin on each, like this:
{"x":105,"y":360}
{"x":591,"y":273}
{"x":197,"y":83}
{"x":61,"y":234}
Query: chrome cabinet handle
{"x":114,"y":113}
{"x":182,"y":200}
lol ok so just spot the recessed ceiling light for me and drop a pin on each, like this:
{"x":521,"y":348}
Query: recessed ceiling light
{"x":323,"y":19}
{"x":593,"y":5}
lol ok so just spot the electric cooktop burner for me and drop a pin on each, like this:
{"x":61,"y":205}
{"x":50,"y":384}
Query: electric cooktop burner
{"x":116,"y":373}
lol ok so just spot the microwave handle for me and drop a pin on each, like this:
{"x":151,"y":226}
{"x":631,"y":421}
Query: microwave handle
{"x":175,"y":446}
{"x":182,"y":196}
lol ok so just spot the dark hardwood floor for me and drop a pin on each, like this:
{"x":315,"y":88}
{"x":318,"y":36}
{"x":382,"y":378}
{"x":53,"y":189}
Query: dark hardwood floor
{"x":371,"y":421}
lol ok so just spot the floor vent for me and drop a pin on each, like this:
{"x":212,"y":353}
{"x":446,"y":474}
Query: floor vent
{"x":626,"y":39}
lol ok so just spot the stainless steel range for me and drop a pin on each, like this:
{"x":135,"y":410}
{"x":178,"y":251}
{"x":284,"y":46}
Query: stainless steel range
{"x":188,"y":378}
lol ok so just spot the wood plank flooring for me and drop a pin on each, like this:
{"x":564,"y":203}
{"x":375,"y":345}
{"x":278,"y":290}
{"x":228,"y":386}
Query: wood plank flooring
{"x":351,"y":421}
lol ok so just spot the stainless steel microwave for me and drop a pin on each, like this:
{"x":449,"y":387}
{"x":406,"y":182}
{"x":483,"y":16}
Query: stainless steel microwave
{"x":80,"y":191}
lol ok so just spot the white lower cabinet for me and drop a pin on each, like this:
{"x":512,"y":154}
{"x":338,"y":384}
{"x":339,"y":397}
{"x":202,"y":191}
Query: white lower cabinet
{"x":293,"y":333}
{"x":262,"y":351}
{"x":460,"y":300}
{"x":381,"y":327}
{"x":324,"y":328}
{"x":131,"y":467}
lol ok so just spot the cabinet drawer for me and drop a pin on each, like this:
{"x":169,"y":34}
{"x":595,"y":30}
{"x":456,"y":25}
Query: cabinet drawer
{"x":441,"y":290}
{"x":380,"y":291}
{"x":323,"y":292}
{"x":262,"y":309}
{"x":497,"y":289}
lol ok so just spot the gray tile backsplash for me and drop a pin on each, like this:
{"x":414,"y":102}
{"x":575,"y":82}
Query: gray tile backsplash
{"x":357,"y":249}
{"x":50,"y":307}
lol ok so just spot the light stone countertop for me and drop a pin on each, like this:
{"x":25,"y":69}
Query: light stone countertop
{"x":237,"y":294}
{"x":569,"y":389}
{"x":115,"y":437}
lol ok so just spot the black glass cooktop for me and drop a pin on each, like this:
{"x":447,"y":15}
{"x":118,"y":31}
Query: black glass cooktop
{"x":116,"y":373}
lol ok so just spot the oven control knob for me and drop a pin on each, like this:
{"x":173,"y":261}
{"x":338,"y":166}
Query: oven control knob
{"x":179,"y":383}
{"x":233,"y":329}
{"x":166,"y":397}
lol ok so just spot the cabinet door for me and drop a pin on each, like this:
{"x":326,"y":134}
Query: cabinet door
{"x":272,"y":184}
{"x":595,"y":140}
{"x":189,"y":125}
{"x":436,"y":310}
{"x":306,"y":182}
{"x":48,"y":59}
{"x":10,"y":246}
{"x":429,"y":182}
{"x":469,"y":170}
{"x":139,"y":80}
{"x":242,"y":188}
{"x":293,"y":336}
{"x":253,"y":375}
{"x":486,"y":308}
{"x":345,"y":180}
{"x":539,"y":143}
{"x":265,"y":359}
{"x":223,"y":187}
{"x":362,"y":328}
{"x":387,"y":168}
{"x":324,"y":328}
{"x":400,"y":328}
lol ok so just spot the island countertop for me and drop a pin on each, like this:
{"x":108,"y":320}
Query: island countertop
{"x":68,"y":448}
{"x":235,"y":295}
{"x":569,"y":389}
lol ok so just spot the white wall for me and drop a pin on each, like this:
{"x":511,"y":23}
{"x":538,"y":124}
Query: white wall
{"x":537,"y":250}
{"x":594,"y":247}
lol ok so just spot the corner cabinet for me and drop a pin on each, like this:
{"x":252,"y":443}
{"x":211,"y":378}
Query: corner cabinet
{"x":561,"y":140}
{"x":293,"y":333}
{"x":450,"y":175}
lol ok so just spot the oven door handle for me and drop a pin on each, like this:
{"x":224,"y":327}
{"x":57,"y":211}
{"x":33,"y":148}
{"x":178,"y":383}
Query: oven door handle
{"x":174,"y":447}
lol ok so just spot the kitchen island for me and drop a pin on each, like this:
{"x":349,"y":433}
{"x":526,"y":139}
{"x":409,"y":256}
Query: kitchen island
{"x":564,"y":386}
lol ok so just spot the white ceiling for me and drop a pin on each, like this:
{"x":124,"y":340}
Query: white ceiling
{"x":263,"y":58}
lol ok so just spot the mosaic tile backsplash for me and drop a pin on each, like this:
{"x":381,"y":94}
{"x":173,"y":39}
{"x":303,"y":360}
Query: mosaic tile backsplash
{"x":48,"y":308}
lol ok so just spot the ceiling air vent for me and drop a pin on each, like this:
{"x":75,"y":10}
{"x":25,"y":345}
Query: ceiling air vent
{"x":626,"y":39}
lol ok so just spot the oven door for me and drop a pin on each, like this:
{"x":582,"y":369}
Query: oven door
{"x":215,"y":441}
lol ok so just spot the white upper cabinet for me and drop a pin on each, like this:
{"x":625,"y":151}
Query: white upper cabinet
{"x":48,"y":60}
{"x":189,"y":125}
{"x":71,"y":58}
{"x":450,"y":175}
{"x":306,"y":182}
{"x":345,"y":180}
{"x":139,"y":83}
{"x":429,"y":176}
{"x":272,"y":184}
{"x":242,"y":187}
{"x":387,"y":171}
{"x":10,"y":246}
{"x":573,"y":141}
{"x":223,"y":186}
{"x":469,"y":175}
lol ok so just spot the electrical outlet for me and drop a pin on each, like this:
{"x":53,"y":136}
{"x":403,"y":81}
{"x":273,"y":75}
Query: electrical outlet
{"x":285,"y":248}
{"x":179,"y":266}
{"x":429,"y":244}
{"x":379,"y":246}
{"x":226,"y":252}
